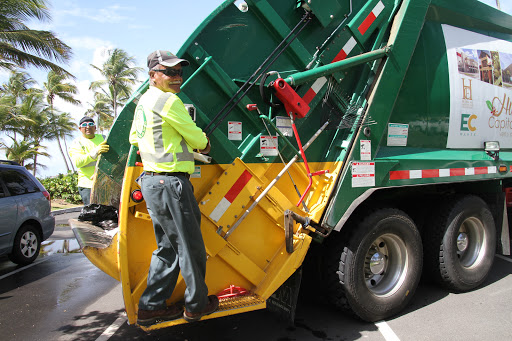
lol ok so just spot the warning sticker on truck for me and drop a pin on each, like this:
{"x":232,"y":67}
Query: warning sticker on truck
{"x":284,"y":124}
{"x":235,"y":131}
{"x":268,"y":145}
{"x":397,"y":134}
{"x":363,"y":174}
{"x":366,"y":150}
{"x":480,"y":73}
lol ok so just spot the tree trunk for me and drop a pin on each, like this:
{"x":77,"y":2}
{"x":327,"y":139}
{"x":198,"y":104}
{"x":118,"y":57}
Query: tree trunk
{"x":67,"y":153}
{"x":62,"y":153}
{"x":57,"y":135}
{"x":114,"y":93}
{"x":35,"y":165}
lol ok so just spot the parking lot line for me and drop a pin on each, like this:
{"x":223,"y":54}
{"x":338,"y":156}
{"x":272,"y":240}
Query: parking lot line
{"x":111,"y":330}
{"x":386,"y":331}
{"x":24,"y":268}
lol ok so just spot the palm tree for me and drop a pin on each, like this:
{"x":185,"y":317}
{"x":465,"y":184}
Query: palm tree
{"x":34,"y":108}
{"x":119,"y":76}
{"x":20,"y":46}
{"x":18,"y":84}
{"x":62,"y":126}
{"x":101,"y":109}
{"x":20,"y":151}
{"x":12,"y":94}
{"x":55,"y":86}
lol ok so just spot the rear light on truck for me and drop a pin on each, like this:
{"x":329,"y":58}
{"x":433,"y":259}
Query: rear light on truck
{"x":136,"y":196}
{"x":508,"y":196}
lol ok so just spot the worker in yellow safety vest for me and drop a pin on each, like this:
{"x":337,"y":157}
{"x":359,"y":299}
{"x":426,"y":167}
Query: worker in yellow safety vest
{"x":84,"y":152}
{"x":166,"y":136}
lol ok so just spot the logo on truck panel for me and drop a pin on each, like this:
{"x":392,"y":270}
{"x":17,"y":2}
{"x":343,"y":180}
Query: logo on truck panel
{"x":466,"y":122}
{"x":499,"y":107}
{"x":480,"y":78}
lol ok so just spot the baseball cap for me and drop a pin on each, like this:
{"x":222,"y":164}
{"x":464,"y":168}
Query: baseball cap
{"x":164,"y":58}
{"x":85,"y":119}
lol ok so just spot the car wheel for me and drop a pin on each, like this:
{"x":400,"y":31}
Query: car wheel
{"x":460,"y":244}
{"x":379,"y":266}
{"x":27,"y":244}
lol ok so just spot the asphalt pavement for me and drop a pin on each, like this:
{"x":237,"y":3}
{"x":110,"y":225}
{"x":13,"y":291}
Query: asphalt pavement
{"x":62,"y":296}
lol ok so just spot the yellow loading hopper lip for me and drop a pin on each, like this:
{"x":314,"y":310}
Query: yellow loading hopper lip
{"x":98,"y":245}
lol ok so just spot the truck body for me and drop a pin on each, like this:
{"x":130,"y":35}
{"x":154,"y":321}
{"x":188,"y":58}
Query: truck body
{"x":356,"y":143}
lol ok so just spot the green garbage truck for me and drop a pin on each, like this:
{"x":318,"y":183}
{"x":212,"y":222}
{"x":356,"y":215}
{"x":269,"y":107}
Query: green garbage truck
{"x":358,"y":143}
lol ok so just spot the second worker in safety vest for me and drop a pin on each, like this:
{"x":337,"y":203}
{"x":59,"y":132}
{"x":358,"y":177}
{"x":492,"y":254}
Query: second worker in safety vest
{"x":166,"y":136}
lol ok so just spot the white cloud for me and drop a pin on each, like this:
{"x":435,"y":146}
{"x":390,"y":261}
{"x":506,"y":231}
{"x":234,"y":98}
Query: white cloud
{"x":87,"y":43}
{"x":81,"y":65}
{"x":77,"y":66}
{"x":100,"y":56}
{"x":109,"y":14}
{"x":85,"y":96}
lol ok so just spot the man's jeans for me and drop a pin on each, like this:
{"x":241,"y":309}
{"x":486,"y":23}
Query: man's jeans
{"x":177,"y":224}
{"x":85,"y":193}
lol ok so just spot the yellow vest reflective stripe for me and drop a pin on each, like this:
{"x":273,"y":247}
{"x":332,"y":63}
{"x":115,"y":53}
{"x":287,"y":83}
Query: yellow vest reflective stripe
{"x":168,"y":157}
{"x":160,"y":156}
{"x":164,"y":132}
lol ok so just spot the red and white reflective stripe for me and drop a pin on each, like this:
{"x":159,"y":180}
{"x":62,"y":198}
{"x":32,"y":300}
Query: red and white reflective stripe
{"x":315,"y":89}
{"x":230,"y":196}
{"x":345,"y":51}
{"x":365,"y":25}
{"x":440,"y":173}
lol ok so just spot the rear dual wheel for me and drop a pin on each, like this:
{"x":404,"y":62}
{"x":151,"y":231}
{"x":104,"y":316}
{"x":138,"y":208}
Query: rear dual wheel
{"x":460,"y":244}
{"x":377,"y":270}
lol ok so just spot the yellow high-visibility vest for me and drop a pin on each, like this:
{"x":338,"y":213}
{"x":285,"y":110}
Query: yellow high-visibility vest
{"x":85,"y":164}
{"x":165,"y":133}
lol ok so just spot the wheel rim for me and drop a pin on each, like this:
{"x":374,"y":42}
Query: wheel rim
{"x":385,"y":265}
{"x":471,"y":242}
{"x":28,"y":244}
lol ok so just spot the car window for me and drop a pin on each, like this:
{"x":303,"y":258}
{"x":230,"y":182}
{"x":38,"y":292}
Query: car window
{"x":18,"y":183}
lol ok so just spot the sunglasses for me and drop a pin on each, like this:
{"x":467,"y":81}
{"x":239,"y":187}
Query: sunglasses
{"x":87,"y":124}
{"x":170,"y":72}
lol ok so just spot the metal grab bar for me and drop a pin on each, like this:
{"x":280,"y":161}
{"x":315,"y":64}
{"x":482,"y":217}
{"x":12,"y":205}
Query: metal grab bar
{"x":273,"y":182}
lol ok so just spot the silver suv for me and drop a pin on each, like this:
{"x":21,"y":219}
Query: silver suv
{"x":25,"y":213}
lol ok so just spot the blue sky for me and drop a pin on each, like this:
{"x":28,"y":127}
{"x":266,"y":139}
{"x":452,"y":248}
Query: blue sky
{"x":91,"y":27}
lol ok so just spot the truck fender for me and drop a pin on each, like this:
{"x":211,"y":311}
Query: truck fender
{"x":359,"y":200}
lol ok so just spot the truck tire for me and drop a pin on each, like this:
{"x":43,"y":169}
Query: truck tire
{"x":379,"y":269}
{"x":460,"y":244}
{"x":27,"y":244}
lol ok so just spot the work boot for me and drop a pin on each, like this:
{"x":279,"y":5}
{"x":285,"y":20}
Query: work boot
{"x":212,"y":306}
{"x":149,"y":317}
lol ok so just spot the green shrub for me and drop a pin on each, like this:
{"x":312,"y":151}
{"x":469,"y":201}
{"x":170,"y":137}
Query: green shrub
{"x":63,"y":187}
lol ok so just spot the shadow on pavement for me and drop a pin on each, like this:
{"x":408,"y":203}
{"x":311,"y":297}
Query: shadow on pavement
{"x":313,"y":322}
{"x":89,"y":326}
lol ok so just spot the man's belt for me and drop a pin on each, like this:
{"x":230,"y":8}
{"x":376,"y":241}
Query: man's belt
{"x":187,"y":175}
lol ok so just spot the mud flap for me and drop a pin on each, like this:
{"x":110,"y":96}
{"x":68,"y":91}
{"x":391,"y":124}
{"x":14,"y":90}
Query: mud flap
{"x":283,"y":302}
